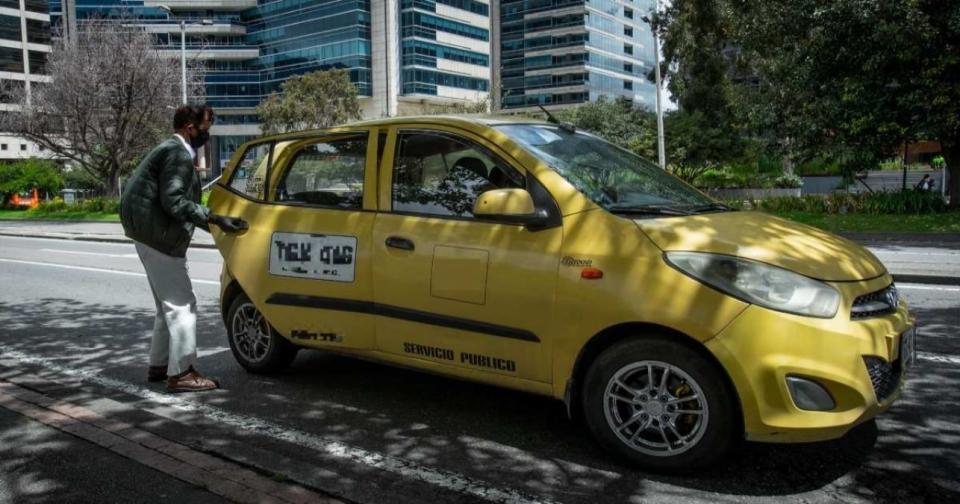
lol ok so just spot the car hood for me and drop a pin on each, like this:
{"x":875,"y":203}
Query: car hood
{"x":797,"y":247}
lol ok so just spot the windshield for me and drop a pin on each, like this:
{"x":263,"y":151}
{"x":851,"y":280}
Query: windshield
{"x":613,"y":178}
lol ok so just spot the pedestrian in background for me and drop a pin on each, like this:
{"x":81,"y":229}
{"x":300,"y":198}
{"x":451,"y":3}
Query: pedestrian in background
{"x":159,"y":210}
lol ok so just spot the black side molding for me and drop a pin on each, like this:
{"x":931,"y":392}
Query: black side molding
{"x":349,"y":305}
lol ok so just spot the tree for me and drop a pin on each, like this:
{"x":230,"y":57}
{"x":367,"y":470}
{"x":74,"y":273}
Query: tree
{"x":618,"y":121}
{"x":480,"y":106}
{"x":109,"y":99}
{"x":315,"y":100}
{"x":29,"y":174}
{"x":699,"y":69}
{"x":854,"y":78}
{"x":694,"y":143}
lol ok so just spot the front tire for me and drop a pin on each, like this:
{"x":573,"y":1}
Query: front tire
{"x":254,"y":342}
{"x":660,"y":405}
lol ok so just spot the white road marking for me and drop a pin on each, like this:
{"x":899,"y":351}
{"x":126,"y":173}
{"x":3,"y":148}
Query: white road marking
{"x":930,"y":356}
{"x":918,"y":253}
{"x":928,"y":287}
{"x":212,"y":351}
{"x":98,"y":270}
{"x":437,"y":477}
{"x":101,"y":254}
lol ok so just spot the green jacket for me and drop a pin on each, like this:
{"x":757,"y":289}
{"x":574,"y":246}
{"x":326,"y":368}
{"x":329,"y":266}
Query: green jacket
{"x":161,"y":202}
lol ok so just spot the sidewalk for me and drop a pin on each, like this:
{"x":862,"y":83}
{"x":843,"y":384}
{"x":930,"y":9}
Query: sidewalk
{"x":83,"y":231}
{"x":910,"y":257}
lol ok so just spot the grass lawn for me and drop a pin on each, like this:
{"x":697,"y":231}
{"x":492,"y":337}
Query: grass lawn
{"x":931,"y":223}
{"x":34,"y":215}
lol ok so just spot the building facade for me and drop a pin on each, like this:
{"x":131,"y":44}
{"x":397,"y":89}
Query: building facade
{"x":404,"y":56}
{"x":24,"y":47}
{"x":560,"y":53}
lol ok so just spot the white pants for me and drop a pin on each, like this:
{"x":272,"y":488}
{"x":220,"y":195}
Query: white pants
{"x":174,"y":342}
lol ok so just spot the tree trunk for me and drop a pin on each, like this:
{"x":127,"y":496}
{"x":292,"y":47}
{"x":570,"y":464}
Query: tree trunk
{"x":110,"y":187}
{"x":951,"y":154}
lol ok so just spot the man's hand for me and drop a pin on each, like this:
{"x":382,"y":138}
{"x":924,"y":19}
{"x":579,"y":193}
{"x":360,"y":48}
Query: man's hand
{"x":228,"y":224}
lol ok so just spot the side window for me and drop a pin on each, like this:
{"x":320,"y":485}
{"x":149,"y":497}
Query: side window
{"x":251,"y":171}
{"x":438,"y":174}
{"x":326,"y":174}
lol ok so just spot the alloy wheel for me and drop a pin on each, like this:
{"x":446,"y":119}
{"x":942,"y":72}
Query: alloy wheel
{"x":655,"y":408}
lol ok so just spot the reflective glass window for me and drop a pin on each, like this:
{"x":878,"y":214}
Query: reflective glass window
{"x":11,"y":60}
{"x":326,"y":174}
{"x":10,"y":28}
{"x":251,"y":172}
{"x":438,"y":174}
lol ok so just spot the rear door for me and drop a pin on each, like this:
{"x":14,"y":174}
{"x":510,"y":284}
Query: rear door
{"x":305,"y":260}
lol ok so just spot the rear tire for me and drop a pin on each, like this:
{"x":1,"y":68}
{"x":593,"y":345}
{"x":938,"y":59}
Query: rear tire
{"x":255,"y":344}
{"x":660,"y":405}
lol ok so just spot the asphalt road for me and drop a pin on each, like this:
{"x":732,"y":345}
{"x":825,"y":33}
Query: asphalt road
{"x":81,"y":313}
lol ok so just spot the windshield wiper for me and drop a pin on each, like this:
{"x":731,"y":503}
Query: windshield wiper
{"x":717,"y":207}
{"x":648,"y":210}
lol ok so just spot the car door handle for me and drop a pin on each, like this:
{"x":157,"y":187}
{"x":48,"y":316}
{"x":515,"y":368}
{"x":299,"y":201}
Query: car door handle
{"x":399,"y":243}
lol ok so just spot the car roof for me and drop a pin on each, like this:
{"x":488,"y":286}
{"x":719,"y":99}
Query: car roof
{"x":487,"y":120}
{"x":481,"y":119}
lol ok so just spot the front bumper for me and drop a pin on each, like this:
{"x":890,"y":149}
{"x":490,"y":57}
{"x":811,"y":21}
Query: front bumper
{"x":762,"y":347}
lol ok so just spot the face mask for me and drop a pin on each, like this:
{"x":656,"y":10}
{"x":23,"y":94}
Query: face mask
{"x":200,"y":140}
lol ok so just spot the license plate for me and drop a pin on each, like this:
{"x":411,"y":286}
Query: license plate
{"x":908,"y":348}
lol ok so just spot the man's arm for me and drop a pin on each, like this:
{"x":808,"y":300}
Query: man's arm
{"x":174,"y":181}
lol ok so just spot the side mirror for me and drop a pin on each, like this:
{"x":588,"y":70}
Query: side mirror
{"x":513,"y":206}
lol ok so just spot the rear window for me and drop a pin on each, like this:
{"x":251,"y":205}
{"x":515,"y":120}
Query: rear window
{"x":327,"y":174}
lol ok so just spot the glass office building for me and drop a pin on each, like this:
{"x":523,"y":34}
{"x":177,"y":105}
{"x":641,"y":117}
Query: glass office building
{"x":402,"y":55}
{"x":24,"y":47}
{"x":559,"y":53}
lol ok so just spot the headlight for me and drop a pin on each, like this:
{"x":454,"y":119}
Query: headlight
{"x":759,"y":283}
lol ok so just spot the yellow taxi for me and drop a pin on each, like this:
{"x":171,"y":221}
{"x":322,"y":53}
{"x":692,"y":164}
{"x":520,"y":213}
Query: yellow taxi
{"x":534,"y":256}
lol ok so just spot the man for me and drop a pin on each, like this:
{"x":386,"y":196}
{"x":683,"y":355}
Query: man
{"x":159,"y":211}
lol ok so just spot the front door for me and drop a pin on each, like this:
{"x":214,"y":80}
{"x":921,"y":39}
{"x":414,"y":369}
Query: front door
{"x":305,"y":260}
{"x":470,"y":296}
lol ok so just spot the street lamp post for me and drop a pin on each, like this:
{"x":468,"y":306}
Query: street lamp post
{"x":661,"y":142}
{"x":201,"y":153}
{"x":183,"y":50}
{"x":183,"y":63}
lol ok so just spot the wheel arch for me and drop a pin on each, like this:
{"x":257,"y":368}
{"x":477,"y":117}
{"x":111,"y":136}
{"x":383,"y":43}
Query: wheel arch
{"x":620,"y":332}
{"x":230,"y":293}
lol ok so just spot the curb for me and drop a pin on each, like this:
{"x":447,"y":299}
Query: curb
{"x":926,"y":279}
{"x":920,"y":239}
{"x":217,"y":475}
{"x":87,"y":238}
{"x":62,"y":221}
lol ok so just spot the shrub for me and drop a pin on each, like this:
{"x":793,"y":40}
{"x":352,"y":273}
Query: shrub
{"x":53,"y":206}
{"x":904,"y":202}
{"x":105,"y":205}
{"x":819,"y":167}
{"x":896,"y":203}
{"x":92,"y":205}
{"x":719,"y":178}
{"x":891,"y":164}
{"x":767,"y":164}
{"x":788,"y":180}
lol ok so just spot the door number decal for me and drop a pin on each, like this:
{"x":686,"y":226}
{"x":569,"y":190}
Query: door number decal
{"x":313,"y":256}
